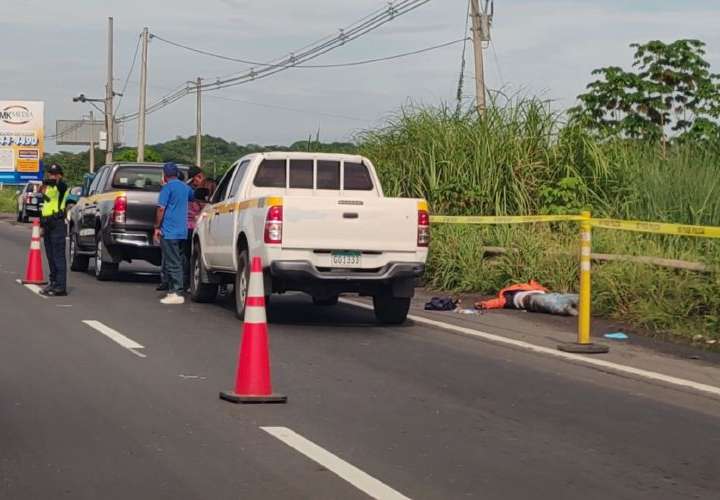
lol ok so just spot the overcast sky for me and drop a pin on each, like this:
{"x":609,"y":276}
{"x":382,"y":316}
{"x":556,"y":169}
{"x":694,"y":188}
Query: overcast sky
{"x":55,"y":49}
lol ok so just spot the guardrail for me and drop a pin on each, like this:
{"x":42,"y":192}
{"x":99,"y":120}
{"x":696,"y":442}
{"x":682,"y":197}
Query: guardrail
{"x":586,"y":222}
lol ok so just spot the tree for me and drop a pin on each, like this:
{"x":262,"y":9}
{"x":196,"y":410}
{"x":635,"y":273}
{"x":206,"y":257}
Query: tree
{"x":130,"y":155}
{"x":669,"y":92}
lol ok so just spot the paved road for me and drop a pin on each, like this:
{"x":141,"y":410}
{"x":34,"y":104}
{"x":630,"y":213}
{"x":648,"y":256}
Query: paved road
{"x":424,"y":412}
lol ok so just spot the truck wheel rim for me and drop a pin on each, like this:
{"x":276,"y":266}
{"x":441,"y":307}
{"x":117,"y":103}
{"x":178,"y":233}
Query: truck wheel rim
{"x":242,"y":290}
{"x":72,"y":248}
{"x":196,"y":272}
{"x":98,"y":258}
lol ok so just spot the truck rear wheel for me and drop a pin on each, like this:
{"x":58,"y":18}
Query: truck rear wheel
{"x":242,"y":280}
{"x":104,"y":269}
{"x":199,"y":291}
{"x":391,"y":310}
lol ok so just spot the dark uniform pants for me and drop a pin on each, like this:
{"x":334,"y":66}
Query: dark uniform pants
{"x":54,"y":240}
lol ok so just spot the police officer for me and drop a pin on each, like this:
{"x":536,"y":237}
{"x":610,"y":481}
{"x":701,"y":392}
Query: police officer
{"x":52,"y":220}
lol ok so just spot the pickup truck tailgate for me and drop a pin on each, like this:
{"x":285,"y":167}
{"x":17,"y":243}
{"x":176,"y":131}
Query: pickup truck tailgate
{"x":141,"y":205}
{"x":330,"y":223}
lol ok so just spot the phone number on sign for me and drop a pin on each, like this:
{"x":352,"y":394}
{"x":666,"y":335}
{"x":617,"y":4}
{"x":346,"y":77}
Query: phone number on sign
{"x":18,"y":140}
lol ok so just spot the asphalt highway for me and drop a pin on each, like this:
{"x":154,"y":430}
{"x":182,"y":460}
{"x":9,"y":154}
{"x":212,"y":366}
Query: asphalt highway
{"x":391,"y":412}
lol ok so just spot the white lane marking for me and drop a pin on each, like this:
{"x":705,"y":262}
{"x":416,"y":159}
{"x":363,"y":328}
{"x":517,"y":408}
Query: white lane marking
{"x":362,"y":481}
{"x":577,"y":358}
{"x":116,"y":336}
{"x":33,"y":288}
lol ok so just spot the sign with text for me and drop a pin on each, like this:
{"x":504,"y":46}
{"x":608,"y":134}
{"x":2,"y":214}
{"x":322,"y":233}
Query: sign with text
{"x":21,"y":141}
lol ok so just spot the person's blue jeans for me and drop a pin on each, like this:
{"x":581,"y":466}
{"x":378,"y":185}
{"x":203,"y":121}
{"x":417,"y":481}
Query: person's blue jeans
{"x":172,"y":254}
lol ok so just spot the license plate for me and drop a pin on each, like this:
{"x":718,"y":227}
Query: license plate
{"x":345,"y":259}
{"x":33,"y":201}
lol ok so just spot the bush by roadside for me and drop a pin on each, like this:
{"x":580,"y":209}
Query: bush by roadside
{"x":7,"y":200}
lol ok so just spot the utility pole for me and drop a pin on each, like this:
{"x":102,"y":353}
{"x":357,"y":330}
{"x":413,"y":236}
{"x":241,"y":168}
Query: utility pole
{"x":109,"y":94}
{"x":143,"y":96}
{"x":92,"y":142}
{"x":481,"y":22}
{"x":198,"y":131}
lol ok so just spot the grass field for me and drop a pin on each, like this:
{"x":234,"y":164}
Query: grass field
{"x":7,"y":199}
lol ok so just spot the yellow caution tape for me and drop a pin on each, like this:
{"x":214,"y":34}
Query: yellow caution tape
{"x":658,"y":227}
{"x":504,"y":219}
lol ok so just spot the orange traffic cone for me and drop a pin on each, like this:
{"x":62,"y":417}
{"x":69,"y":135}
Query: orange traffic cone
{"x":252,"y":380}
{"x":34,"y":269}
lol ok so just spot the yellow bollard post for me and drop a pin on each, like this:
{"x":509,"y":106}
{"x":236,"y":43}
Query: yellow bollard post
{"x":584,"y":344}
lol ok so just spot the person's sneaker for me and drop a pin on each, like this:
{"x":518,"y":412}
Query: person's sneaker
{"x":48,"y":287}
{"x":163,"y":287}
{"x":53,"y":292}
{"x":172,"y":299}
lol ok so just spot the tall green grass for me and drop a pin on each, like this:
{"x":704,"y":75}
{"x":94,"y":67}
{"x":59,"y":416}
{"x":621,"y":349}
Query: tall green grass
{"x":8,"y":199}
{"x":523,"y":159}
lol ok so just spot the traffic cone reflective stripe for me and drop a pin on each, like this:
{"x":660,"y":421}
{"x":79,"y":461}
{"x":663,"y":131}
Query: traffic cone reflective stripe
{"x":252,"y":380}
{"x":34,"y":270}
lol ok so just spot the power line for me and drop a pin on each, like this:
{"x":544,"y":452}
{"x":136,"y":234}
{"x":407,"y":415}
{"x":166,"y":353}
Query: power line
{"x":497,"y":64}
{"x":345,"y":35}
{"x":459,"y":92}
{"x":318,"y":66}
{"x":387,"y":58}
{"x":274,"y":106}
{"x":129,"y":74}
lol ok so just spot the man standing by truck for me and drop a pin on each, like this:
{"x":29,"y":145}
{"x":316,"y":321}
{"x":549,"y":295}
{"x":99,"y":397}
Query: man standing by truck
{"x":52,"y":219}
{"x":171,"y":230}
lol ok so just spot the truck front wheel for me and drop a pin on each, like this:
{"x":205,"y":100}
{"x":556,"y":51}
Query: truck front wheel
{"x":391,"y":310}
{"x":242,"y":279}
{"x":199,"y":291}
{"x":78,"y":262}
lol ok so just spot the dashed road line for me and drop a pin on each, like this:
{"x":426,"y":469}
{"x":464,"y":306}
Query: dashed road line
{"x":116,"y":337}
{"x":362,"y":481}
{"x":576,"y":358}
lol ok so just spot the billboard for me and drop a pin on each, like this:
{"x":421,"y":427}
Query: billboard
{"x":80,"y":132}
{"x":21,"y":141}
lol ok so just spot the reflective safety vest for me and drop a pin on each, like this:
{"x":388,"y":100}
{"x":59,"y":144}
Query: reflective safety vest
{"x":52,"y":203}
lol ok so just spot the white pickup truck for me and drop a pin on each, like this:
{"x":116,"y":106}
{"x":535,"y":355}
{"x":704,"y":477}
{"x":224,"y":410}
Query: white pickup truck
{"x":321,"y":225}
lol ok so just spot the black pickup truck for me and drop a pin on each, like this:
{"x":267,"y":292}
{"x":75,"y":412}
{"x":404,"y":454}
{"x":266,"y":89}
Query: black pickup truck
{"x":113,"y":219}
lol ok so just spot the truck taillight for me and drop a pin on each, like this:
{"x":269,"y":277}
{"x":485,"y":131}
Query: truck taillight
{"x":273,"y":224}
{"x":119,"y":209}
{"x":423,"y":233}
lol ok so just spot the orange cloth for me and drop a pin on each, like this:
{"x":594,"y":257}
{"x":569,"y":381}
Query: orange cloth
{"x":500,"y":301}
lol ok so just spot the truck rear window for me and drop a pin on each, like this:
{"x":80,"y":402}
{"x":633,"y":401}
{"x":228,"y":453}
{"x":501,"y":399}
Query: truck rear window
{"x":138,"y":178}
{"x":328,"y":174}
{"x":357,"y":177}
{"x":301,"y":174}
{"x":271,"y":174}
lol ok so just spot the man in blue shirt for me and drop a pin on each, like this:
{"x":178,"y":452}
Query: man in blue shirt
{"x":171,"y":229}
